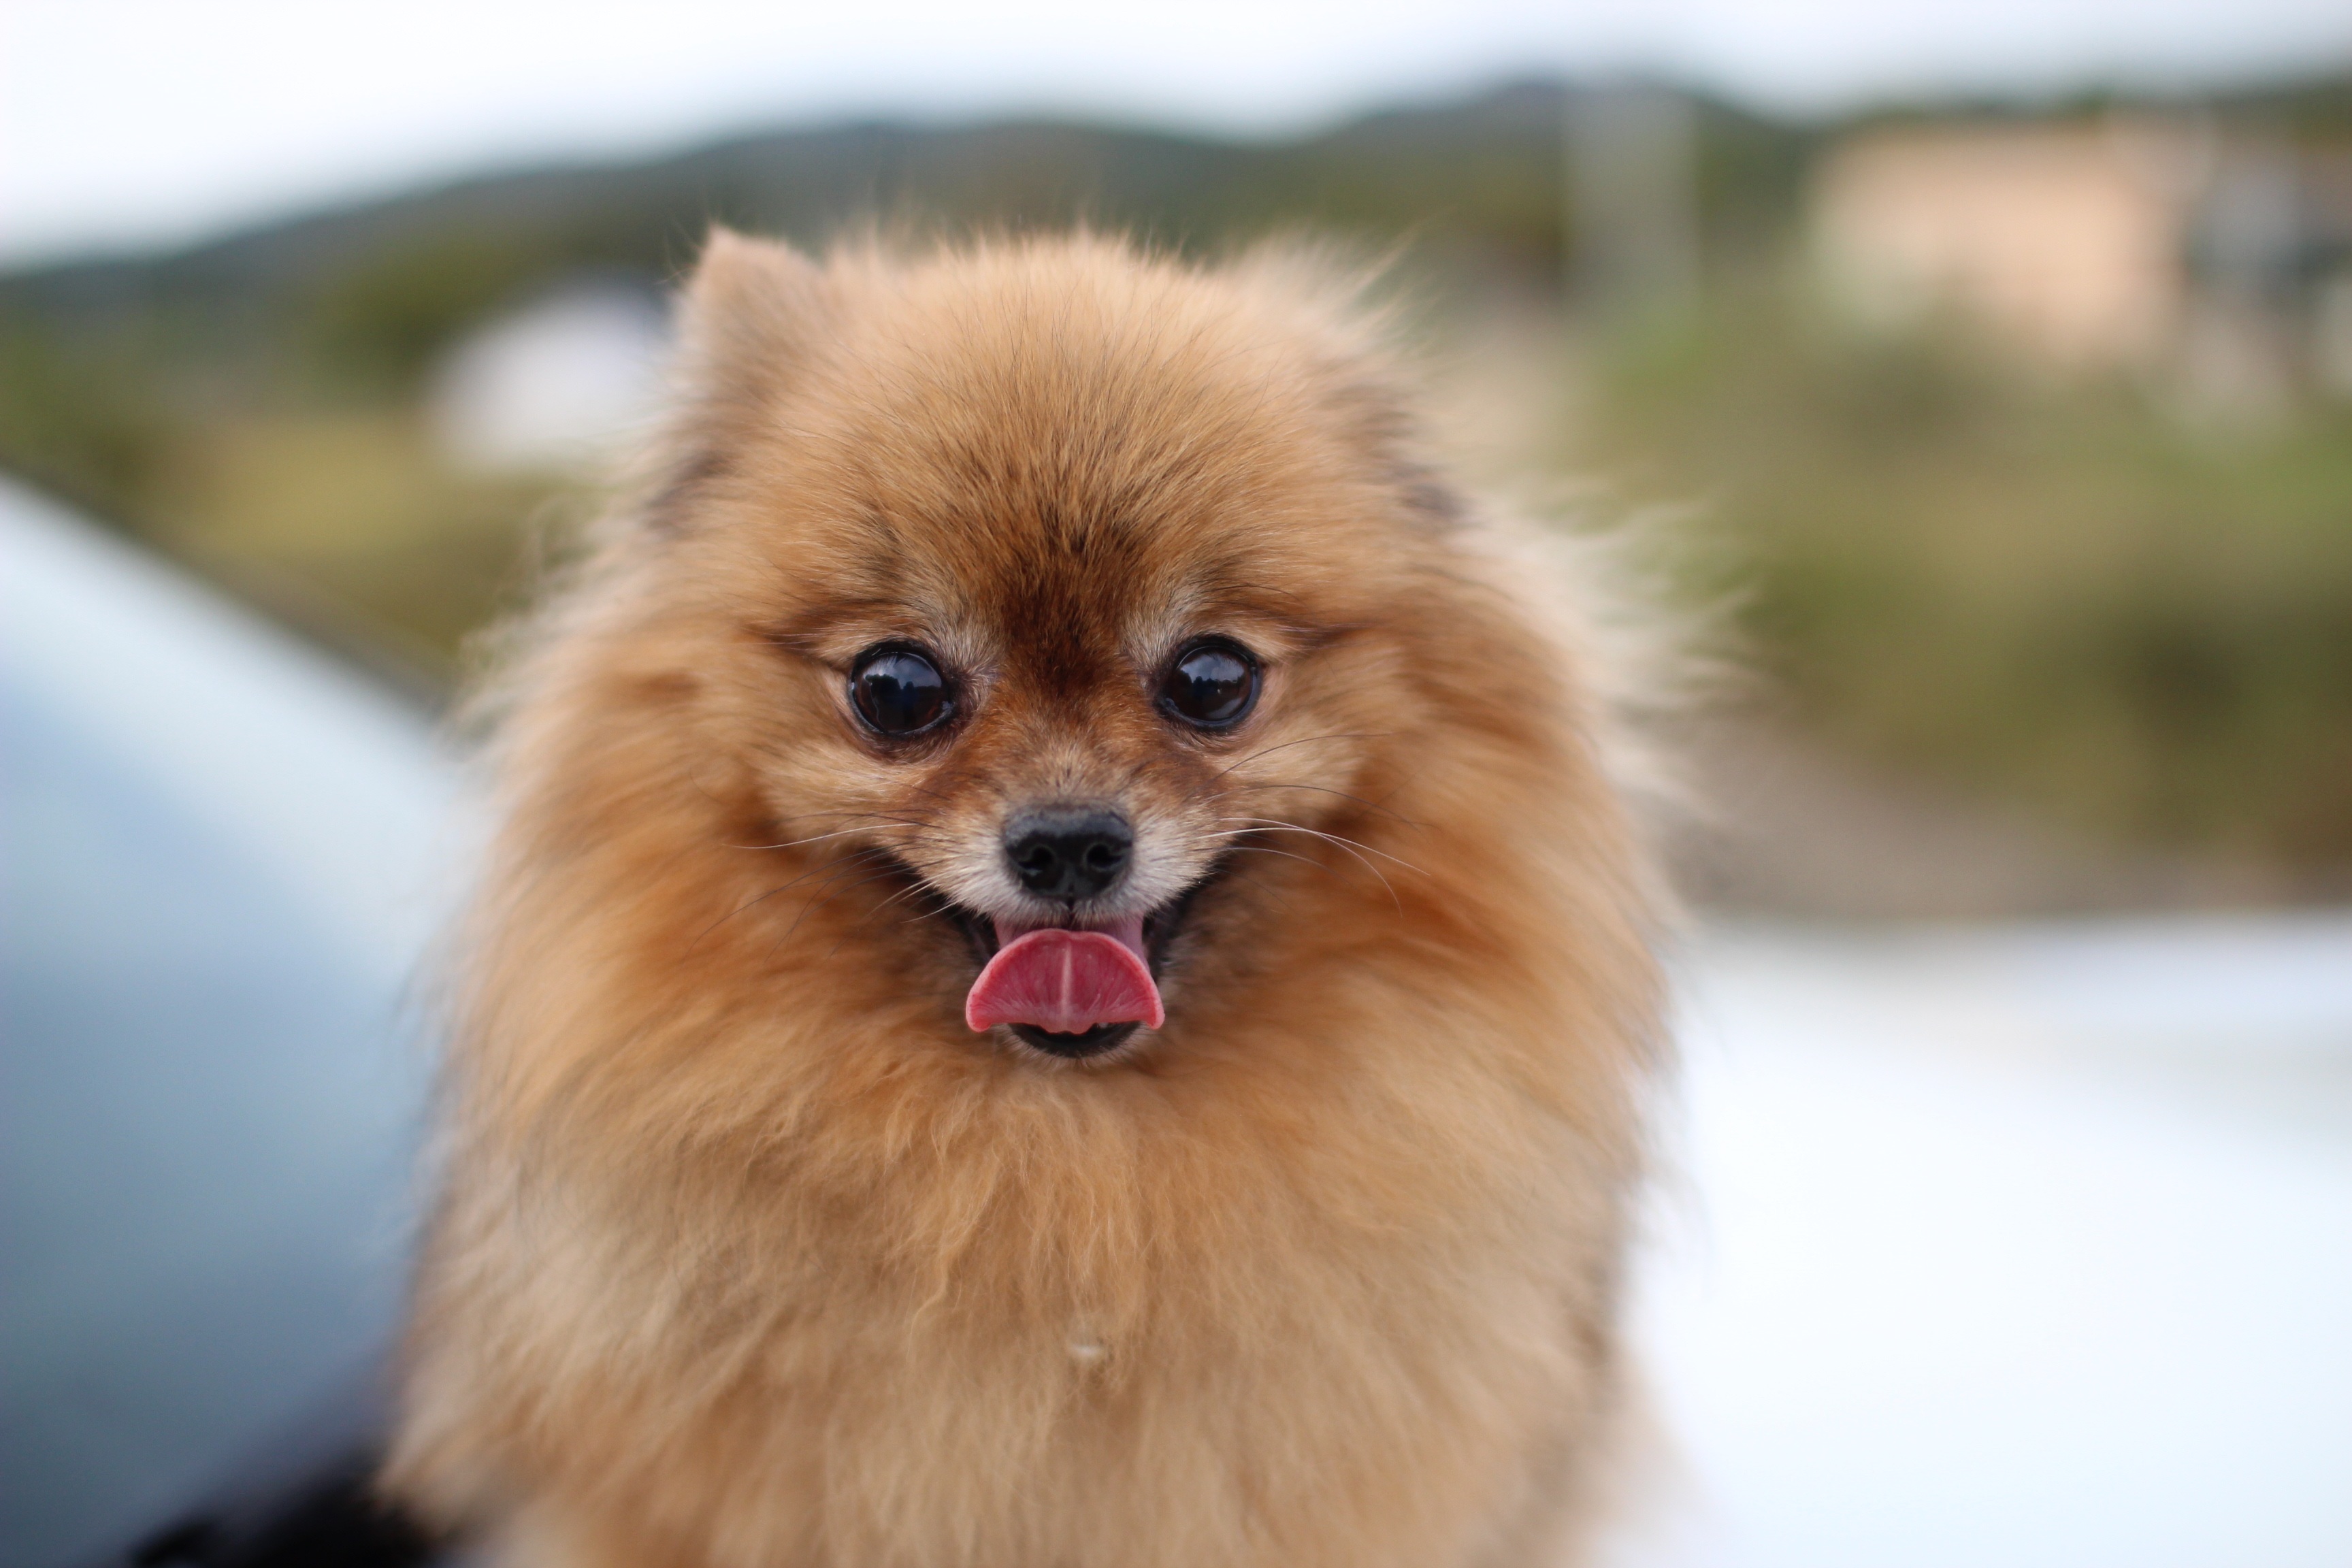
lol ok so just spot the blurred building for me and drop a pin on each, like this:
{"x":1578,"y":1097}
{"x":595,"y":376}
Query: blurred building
{"x":2142,"y":245}
{"x":555,"y":385}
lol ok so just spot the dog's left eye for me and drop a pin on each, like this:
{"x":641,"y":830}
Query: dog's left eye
{"x":1211,"y":685}
{"x":898,"y":691}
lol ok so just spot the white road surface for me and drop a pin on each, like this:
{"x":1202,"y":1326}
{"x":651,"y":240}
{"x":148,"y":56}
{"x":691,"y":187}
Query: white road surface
{"x":2021,"y":1245}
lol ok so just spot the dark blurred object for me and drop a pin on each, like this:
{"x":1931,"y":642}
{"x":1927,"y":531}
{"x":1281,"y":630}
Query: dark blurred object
{"x":334,"y":1522}
{"x":220,"y":868}
{"x":306,"y":1500}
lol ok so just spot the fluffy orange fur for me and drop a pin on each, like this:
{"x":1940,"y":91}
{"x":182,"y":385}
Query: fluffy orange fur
{"x":751,"y":1253}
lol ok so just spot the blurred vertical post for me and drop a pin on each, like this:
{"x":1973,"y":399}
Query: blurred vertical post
{"x":2247,"y":246}
{"x":1633,"y":201}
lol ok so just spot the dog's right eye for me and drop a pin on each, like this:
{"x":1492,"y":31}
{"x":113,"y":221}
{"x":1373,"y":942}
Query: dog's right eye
{"x":898,"y":691}
{"x":1212,"y":684}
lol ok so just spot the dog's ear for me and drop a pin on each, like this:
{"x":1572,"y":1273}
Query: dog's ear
{"x":751,"y":311}
{"x":1354,"y":349}
{"x":746,"y":322}
{"x":1379,"y":420}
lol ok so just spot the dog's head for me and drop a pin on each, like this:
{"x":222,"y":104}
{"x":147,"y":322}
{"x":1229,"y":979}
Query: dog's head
{"x":1060,"y":616}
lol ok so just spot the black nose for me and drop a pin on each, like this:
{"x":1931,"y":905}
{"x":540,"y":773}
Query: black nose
{"x":1070,"y":852}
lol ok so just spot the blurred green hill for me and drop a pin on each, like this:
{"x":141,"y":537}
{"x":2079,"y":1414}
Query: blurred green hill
{"x":1485,"y":173}
{"x":2061,"y":596}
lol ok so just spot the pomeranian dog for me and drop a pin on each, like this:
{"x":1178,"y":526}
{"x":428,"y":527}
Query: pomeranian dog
{"x":1064,"y":983}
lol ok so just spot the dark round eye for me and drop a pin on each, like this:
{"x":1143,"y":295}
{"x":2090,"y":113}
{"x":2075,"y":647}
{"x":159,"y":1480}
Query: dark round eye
{"x":1211,"y":685}
{"x":898,"y":691}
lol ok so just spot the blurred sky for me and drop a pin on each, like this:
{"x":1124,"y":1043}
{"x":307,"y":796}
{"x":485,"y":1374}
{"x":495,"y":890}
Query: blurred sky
{"x":134,"y":122}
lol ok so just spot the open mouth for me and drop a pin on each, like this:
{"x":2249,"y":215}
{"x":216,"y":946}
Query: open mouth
{"x":1071,"y":988}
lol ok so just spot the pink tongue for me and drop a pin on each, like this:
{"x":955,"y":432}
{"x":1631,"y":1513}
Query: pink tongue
{"x":1067,"y":982}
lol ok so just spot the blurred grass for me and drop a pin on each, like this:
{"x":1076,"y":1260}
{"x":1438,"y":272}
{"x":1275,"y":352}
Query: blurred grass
{"x":357,"y":506}
{"x":2072,"y":595}
{"x":322,"y":496}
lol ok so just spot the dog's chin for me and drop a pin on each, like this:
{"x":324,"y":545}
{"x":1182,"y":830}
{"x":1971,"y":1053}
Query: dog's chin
{"x":1099,"y":1041}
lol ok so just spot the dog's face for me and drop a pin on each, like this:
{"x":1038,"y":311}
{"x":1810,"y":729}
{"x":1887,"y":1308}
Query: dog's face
{"x":1064,"y":740}
{"x":1058,"y":611}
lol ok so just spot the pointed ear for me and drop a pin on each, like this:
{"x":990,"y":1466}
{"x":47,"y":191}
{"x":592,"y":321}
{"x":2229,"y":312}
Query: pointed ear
{"x":746,"y":320}
{"x":749,"y":312}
